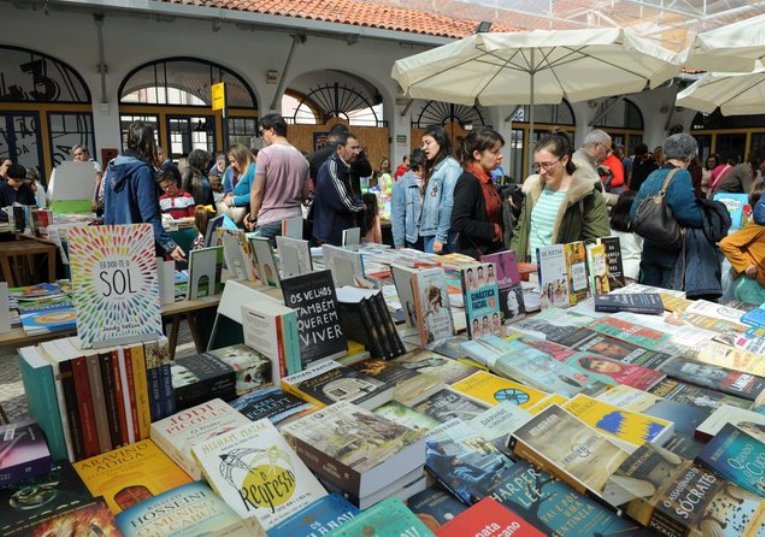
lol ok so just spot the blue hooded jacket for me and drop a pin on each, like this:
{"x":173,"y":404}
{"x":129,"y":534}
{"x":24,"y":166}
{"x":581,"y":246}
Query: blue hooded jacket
{"x":130,"y":196}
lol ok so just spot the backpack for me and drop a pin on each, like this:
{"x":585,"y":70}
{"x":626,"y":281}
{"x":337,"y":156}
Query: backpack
{"x":655,"y":222}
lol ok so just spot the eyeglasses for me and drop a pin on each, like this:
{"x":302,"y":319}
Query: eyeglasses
{"x":546,"y":166}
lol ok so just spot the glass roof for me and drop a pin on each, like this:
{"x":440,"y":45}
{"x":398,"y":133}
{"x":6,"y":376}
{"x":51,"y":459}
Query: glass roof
{"x":673,"y":23}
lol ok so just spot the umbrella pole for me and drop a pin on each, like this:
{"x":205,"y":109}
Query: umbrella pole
{"x":531,"y":112}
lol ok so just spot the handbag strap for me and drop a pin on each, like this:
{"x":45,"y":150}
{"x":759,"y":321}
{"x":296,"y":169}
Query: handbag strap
{"x":668,"y":180}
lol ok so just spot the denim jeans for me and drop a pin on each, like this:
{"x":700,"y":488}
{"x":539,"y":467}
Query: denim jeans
{"x":270,"y":232}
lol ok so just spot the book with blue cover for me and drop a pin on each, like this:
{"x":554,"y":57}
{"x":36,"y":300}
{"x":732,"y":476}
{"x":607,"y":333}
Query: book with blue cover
{"x":735,"y":203}
{"x":389,"y":518}
{"x":738,"y":457}
{"x":322,"y":516}
{"x":755,"y":317}
{"x":435,"y":507}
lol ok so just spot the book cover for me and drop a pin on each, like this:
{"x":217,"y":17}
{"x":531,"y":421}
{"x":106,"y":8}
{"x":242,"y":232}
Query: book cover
{"x":189,"y":510}
{"x":389,"y":518}
{"x":715,"y":310}
{"x":205,"y":270}
{"x":557,"y":509}
{"x":628,"y":429}
{"x":23,"y":452}
{"x":130,"y":474}
{"x":199,"y":377}
{"x":667,"y":493}
{"x":346,"y":265}
{"x":717,"y":324}
{"x":294,"y":256}
{"x":319,"y":518}
{"x":330,"y":382}
{"x":313,"y":296}
{"x":533,"y":367}
{"x":408,"y":417}
{"x":89,"y":518}
{"x":494,"y":390}
{"x":565,"y":446}
{"x":632,"y":302}
{"x":272,"y":329}
{"x":257,"y":474}
{"x":553,"y":277}
{"x":357,"y":450}
{"x":435,"y":507}
{"x":597,"y":265}
{"x":629,"y":398}
{"x":746,"y":420}
{"x":737,"y":456}
{"x":686,"y":418}
{"x":271,"y":403}
{"x":511,"y":302}
{"x":436,"y":365}
{"x":576,"y":272}
{"x":735,"y":204}
{"x":466,"y":464}
{"x":446,"y":405}
{"x":682,"y":392}
{"x":614,"y":372}
{"x":715,"y":377}
{"x":116,"y":289}
{"x":42,"y":401}
{"x":410,"y":387}
{"x":715,"y":353}
{"x":630,"y":332}
{"x":176,"y":434}
{"x":240,"y":260}
{"x":488,"y":518}
{"x":431,"y":301}
{"x":59,"y":319}
{"x":481,"y":296}
{"x":64,"y":385}
{"x":268,"y":273}
{"x":252,"y":370}
{"x":613,"y":247}
{"x":499,"y":422}
{"x":28,"y":501}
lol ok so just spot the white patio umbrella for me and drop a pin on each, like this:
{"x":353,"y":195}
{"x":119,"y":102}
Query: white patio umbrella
{"x":734,"y":93}
{"x":536,"y":67}
{"x":731,"y":48}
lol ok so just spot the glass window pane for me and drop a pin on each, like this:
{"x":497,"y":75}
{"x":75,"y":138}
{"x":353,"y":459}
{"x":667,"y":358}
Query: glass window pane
{"x":70,"y":129}
{"x":32,"y":77}
{"x":127,"y":119}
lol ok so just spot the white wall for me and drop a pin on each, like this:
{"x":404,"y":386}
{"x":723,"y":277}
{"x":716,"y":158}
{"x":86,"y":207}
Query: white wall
{"x":133,"y":39}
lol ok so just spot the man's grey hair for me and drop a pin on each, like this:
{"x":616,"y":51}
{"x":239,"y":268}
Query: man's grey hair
{"x":597,"y":136}
{"x":681,"y":146}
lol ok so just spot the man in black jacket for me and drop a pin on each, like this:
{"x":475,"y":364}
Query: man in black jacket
{"x":14,"y":189}
{"x":359,"y":168}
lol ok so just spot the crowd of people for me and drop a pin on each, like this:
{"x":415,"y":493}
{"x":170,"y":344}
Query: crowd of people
{"x":448,"y":199}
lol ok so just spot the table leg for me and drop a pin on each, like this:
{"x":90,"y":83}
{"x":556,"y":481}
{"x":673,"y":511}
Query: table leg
{"x":198,"y":343}
{"x":52,"y":265}
{"x":5,"y":262}
{"x":173,"y":339}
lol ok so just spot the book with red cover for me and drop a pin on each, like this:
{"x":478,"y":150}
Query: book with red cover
{"x":129,"y":387}
{"x":488,"y":518}
{"x":85,"y":406}
{"x":120,"y":398}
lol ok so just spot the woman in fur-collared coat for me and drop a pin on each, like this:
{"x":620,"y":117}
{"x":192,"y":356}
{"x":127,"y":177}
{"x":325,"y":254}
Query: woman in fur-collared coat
{"x":561,"y":202}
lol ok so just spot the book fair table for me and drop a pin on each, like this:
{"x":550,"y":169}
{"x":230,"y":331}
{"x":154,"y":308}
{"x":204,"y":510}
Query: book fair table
{"x":174,"y":312}
{"x":17,"y":259}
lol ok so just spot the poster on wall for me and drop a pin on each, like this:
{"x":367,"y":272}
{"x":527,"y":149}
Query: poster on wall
{"x":115,"y":286}
{"x":320,"y":139}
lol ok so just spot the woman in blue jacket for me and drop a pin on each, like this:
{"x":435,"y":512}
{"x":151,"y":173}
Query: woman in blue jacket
{"x":130,"y":195}
{"x":236,"y":203}
{"x":442,"y":171}
{"x":406,"y":204}
{"x":657,"y":263}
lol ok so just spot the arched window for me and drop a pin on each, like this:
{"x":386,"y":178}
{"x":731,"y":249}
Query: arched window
{"x":175,"y":94}
{"x":439,"y":113}
{"x":335,"y":101}
{"x":61,"y":107}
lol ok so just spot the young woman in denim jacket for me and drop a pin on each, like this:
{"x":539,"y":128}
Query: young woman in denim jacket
{"x":442,"y":171}
{"x":406,"y":204}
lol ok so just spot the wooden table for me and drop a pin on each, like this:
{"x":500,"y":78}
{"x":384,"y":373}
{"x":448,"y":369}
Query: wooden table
{"x":26,"y":249}
{"x":175,"y":312}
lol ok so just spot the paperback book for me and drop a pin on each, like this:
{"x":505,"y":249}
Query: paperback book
{"x":633,"y":302}
{"x":271,"y":403}
{"x":597,"y":264}
{"x":613,"y":372}
{"x":294,"y":256}
{"x":737,"y":456}
{"x":511,"y":302}
{"x":268,"y":273}
{"x":272,"y":329}
{"x":435,"y":507}
{"x":99,"y":521}
{"x":613,"y":248}
{"x":23,"y":452}
{"x":446,"y":405}
{"x":553,"y":277}
{"x":481,"y":296}
{"x":431,"y":301}
{"x":257,"y":474}
{"x":252,"y":370}
{"x":576,"y":271}
{"x":494,"y":390}
{"x":322,"y":516}
{"x":728,"y":381}
{"x":489,"y":518}
{"x":205,"y":272}
{"x":746,"y":420}
{"x":240,"y":259}
{"x":388,"y":518}
{"x":436,"y":365}
{"x":199,"y":377}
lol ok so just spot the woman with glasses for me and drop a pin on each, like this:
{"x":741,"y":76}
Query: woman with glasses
{"x":477,"y":213}
{"x":561,"y":204}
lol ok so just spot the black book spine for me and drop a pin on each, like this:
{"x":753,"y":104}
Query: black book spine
{"x":73,"y":416}
{"x":357,"y":324}
{"x":398,"y":345}
{"x":110,"y":398}
{"x":378,"y":326}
